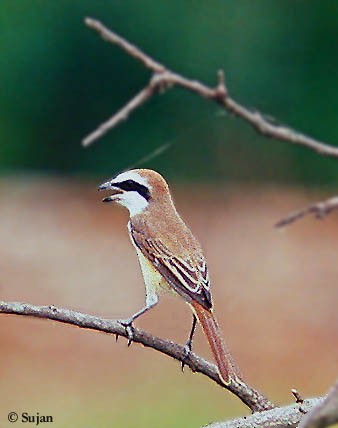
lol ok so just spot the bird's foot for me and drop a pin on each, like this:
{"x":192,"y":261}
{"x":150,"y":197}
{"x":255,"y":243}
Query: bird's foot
{"x":128,"y":325}
{"x":186,"y":354}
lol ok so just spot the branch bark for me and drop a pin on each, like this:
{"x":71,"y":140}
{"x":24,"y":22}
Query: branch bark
{"x":249,"y":396}
{"x":325,"y":413}
{"x":164,"y":78}
{"x":319,"y":210}
{"x":280,"y":417}
{"x":324,"y":408}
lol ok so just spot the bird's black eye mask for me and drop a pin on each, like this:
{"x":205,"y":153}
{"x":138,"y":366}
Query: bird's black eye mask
{"x":133,"y":186}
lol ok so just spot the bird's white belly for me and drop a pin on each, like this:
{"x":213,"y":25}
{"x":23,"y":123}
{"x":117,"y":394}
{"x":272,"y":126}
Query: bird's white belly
{"x":153,"y":280}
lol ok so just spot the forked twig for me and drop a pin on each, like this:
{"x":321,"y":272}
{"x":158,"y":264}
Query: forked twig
{"x":319,"y":210}
{"x":163,"y":78}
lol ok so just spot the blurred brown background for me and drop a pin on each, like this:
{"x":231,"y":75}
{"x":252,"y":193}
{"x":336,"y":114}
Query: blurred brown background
{"x":275,"y":294}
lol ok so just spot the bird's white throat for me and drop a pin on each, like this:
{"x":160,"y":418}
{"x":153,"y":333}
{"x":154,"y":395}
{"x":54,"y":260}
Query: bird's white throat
{"x":133,"y":201}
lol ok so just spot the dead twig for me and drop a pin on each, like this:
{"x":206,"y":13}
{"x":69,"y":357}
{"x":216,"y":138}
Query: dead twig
{"x":299,"y":400}
{"x":249,"y":396}
{"x":297,"y":396}
{"x":319,"y":210}
{"x":325,"y":413}
{"x":165,"y":78}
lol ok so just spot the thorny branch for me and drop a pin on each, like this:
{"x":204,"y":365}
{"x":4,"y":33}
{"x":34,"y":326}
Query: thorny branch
{"x":309,"y":413}
{"x":325,"y":413}
{"x":265,"y":414}
{"x":252,"y":398}
{"x":279,"y":417}
{"x":164,"y":78}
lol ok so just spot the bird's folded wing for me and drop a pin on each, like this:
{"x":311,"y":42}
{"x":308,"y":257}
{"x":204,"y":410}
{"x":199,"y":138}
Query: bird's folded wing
{"x":188,"y":277}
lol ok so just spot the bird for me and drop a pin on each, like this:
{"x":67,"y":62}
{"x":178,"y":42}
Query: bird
{"x":170,"y":257}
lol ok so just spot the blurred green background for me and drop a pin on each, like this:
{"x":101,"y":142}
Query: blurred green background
{"x":59,"y":80}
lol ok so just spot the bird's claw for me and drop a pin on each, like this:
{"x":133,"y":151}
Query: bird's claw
{"x":128,"y":325}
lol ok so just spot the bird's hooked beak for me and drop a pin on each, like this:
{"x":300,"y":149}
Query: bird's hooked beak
{"x":108,"y":185}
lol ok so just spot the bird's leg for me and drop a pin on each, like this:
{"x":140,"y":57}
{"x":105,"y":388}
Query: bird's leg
{"x":188,"y":345}
{"x":151,"y":301}
{"x":129,"y":321}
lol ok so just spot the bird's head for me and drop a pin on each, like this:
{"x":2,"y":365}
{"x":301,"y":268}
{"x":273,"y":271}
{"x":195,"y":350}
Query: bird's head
{"x":136,"y":189}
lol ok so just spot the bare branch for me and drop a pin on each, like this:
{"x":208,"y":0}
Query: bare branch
{"x":249,"y":396}
{"x":219,"y":94}
{"x":325,"y":413}
{"x":129,"y":48}
{"x":319,"y":210}
{"x":121,"y":115}
{"x":280,"y":417}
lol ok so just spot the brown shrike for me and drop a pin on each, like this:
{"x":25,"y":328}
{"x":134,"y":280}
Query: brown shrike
{"x":170,"y":256}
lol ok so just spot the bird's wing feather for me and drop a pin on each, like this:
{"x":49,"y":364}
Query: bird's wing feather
{"x":189,"y":278}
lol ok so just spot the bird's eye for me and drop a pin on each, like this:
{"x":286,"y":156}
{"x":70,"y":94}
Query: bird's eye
{"x":129,"y":185}
{"x":133,"y":186}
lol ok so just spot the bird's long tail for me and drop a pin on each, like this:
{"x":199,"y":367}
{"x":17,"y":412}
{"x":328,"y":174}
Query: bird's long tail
{"x":226,"y":365}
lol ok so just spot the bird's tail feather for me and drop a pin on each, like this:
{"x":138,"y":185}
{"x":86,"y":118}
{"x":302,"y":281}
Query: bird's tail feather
{"x":227,"y":367}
